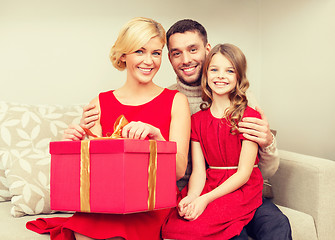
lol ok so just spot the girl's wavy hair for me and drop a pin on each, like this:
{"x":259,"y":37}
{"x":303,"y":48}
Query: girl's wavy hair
{"x":134,"y":35}
{"x":237,"y":96}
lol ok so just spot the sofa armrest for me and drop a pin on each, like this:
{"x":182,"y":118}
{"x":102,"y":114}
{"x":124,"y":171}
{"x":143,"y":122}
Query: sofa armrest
{"x":307,"y":184}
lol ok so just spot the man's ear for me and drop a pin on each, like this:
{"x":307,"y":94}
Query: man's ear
{"x":208,"y":48}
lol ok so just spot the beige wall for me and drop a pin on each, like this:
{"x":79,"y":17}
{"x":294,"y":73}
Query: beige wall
{"x":57,"y":52}
{"x":298,"y":77}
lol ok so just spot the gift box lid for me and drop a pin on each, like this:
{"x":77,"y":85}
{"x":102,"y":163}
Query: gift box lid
{"x":112,"y":146}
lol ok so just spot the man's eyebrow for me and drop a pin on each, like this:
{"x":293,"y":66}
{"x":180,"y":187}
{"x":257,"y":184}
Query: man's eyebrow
{"x":192,"y":46}
{"x":188,"y":47}
{"x":173,"y":49}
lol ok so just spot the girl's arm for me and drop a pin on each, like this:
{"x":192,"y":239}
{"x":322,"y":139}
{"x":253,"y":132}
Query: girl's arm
{"x":238,"y":179}
{"x":197,"y":179}
{"x":242,"y":175}
{"x":180,"y":128}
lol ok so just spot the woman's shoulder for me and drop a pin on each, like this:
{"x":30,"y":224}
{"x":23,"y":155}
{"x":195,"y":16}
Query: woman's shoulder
{"x":107,"y":93}
{"x":250,"y":112}
{"x":169,"y":93}
{"x":178,"y":97}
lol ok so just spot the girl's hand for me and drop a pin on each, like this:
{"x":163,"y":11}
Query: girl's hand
{"x":182,"y":206}
{"x":196,"y":208}
{"x":73,"y":133}
{"x":140,"y":130}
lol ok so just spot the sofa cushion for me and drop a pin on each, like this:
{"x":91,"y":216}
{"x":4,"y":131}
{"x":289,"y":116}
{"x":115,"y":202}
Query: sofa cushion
{"x":4,"y":191}
{"x":26,"y":131}
{"x":302,"y":224}
{"x":15,"y":228}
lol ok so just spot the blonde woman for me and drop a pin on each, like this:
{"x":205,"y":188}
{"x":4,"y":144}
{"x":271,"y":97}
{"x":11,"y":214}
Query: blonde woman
{"x":153,"y":112}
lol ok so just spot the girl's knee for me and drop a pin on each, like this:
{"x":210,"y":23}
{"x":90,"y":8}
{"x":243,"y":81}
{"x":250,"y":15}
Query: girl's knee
{"x":79,"y":236}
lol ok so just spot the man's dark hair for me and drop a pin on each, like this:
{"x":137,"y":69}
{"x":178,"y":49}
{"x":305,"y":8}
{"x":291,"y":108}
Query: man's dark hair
{"x":186,"y":25}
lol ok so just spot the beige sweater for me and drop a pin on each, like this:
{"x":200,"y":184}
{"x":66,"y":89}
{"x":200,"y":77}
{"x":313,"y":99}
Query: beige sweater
{"x":268,"y":157}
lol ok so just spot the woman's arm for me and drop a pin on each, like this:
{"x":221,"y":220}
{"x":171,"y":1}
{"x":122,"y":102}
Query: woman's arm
{"x":180,"y":128}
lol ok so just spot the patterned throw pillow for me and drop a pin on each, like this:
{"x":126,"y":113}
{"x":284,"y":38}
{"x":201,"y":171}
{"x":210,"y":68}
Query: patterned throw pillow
{"x":25,"y":134}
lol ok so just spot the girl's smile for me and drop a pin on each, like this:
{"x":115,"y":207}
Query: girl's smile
{"x":221,"y":75}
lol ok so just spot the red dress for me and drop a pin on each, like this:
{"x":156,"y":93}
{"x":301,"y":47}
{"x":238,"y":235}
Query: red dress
{"x":226,"y":216}
{"x":136,"y":226}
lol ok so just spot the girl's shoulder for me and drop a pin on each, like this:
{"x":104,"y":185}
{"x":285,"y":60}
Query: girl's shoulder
{"x":200,"y":115}
{"x":250,"y":112}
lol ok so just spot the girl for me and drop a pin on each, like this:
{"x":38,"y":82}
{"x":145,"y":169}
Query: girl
{"x":221,"y":200}
{"x":153,"y":112}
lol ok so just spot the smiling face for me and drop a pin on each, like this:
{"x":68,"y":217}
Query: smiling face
{"x":187,"y":53}
{"x":221,"y":75}
{"x":143,"y":64}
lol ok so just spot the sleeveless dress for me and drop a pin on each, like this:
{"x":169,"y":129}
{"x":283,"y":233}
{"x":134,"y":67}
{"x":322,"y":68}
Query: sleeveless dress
{"x":226,"y":216}
{"x":136,"y":226}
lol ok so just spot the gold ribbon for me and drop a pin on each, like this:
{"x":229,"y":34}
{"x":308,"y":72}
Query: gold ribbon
{"x":121,"y":121}
{"x":152,"y":170}
{"x":85,"y":180}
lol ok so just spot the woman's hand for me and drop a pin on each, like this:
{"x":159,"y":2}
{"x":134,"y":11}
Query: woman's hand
{"x":73,"y":133}
{"x":141,"y":130}
{"x":256,"y":130}
{"x":196,"y":208}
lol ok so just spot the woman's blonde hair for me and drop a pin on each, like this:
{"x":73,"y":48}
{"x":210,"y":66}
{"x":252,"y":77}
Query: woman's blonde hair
{"x":237,"y":96}
{"x":134,"y":35}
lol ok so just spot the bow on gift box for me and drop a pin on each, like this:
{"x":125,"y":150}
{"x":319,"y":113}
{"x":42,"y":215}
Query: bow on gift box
{"x":120,"y":122}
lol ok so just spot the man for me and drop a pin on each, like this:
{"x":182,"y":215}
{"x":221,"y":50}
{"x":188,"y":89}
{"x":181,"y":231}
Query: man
{"x":188,"y":46}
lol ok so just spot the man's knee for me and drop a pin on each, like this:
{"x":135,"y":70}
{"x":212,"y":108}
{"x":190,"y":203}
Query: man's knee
{"x":269,"y":223}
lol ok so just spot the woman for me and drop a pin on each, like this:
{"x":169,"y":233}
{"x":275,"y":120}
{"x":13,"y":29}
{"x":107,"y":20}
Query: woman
{"x":153,"y":112}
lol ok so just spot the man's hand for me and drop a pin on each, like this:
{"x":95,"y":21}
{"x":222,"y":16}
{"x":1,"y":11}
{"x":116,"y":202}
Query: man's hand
{"x":256,"y":130}
{"x":89,"y":117}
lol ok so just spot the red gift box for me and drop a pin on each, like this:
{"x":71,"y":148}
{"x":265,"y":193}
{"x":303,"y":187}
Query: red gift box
{"x":112,"y":176}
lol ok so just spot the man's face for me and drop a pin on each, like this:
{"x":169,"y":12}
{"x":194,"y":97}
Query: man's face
{"x":187,"y":54}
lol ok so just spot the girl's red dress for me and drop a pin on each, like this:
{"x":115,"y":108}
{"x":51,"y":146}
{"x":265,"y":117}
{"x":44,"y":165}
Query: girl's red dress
{"x":226,"y":216}
{"x":136,"y":226}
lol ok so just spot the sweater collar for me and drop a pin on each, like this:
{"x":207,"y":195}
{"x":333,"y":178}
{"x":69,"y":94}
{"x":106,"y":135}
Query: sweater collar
{"x":190,"y":91}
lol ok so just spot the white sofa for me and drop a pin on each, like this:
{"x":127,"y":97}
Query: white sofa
{"x":303,"y":187}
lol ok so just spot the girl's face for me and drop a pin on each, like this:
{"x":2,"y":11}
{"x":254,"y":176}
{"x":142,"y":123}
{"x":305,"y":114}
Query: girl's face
{"x":143,"y":64}
{"x":221,"y":75}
